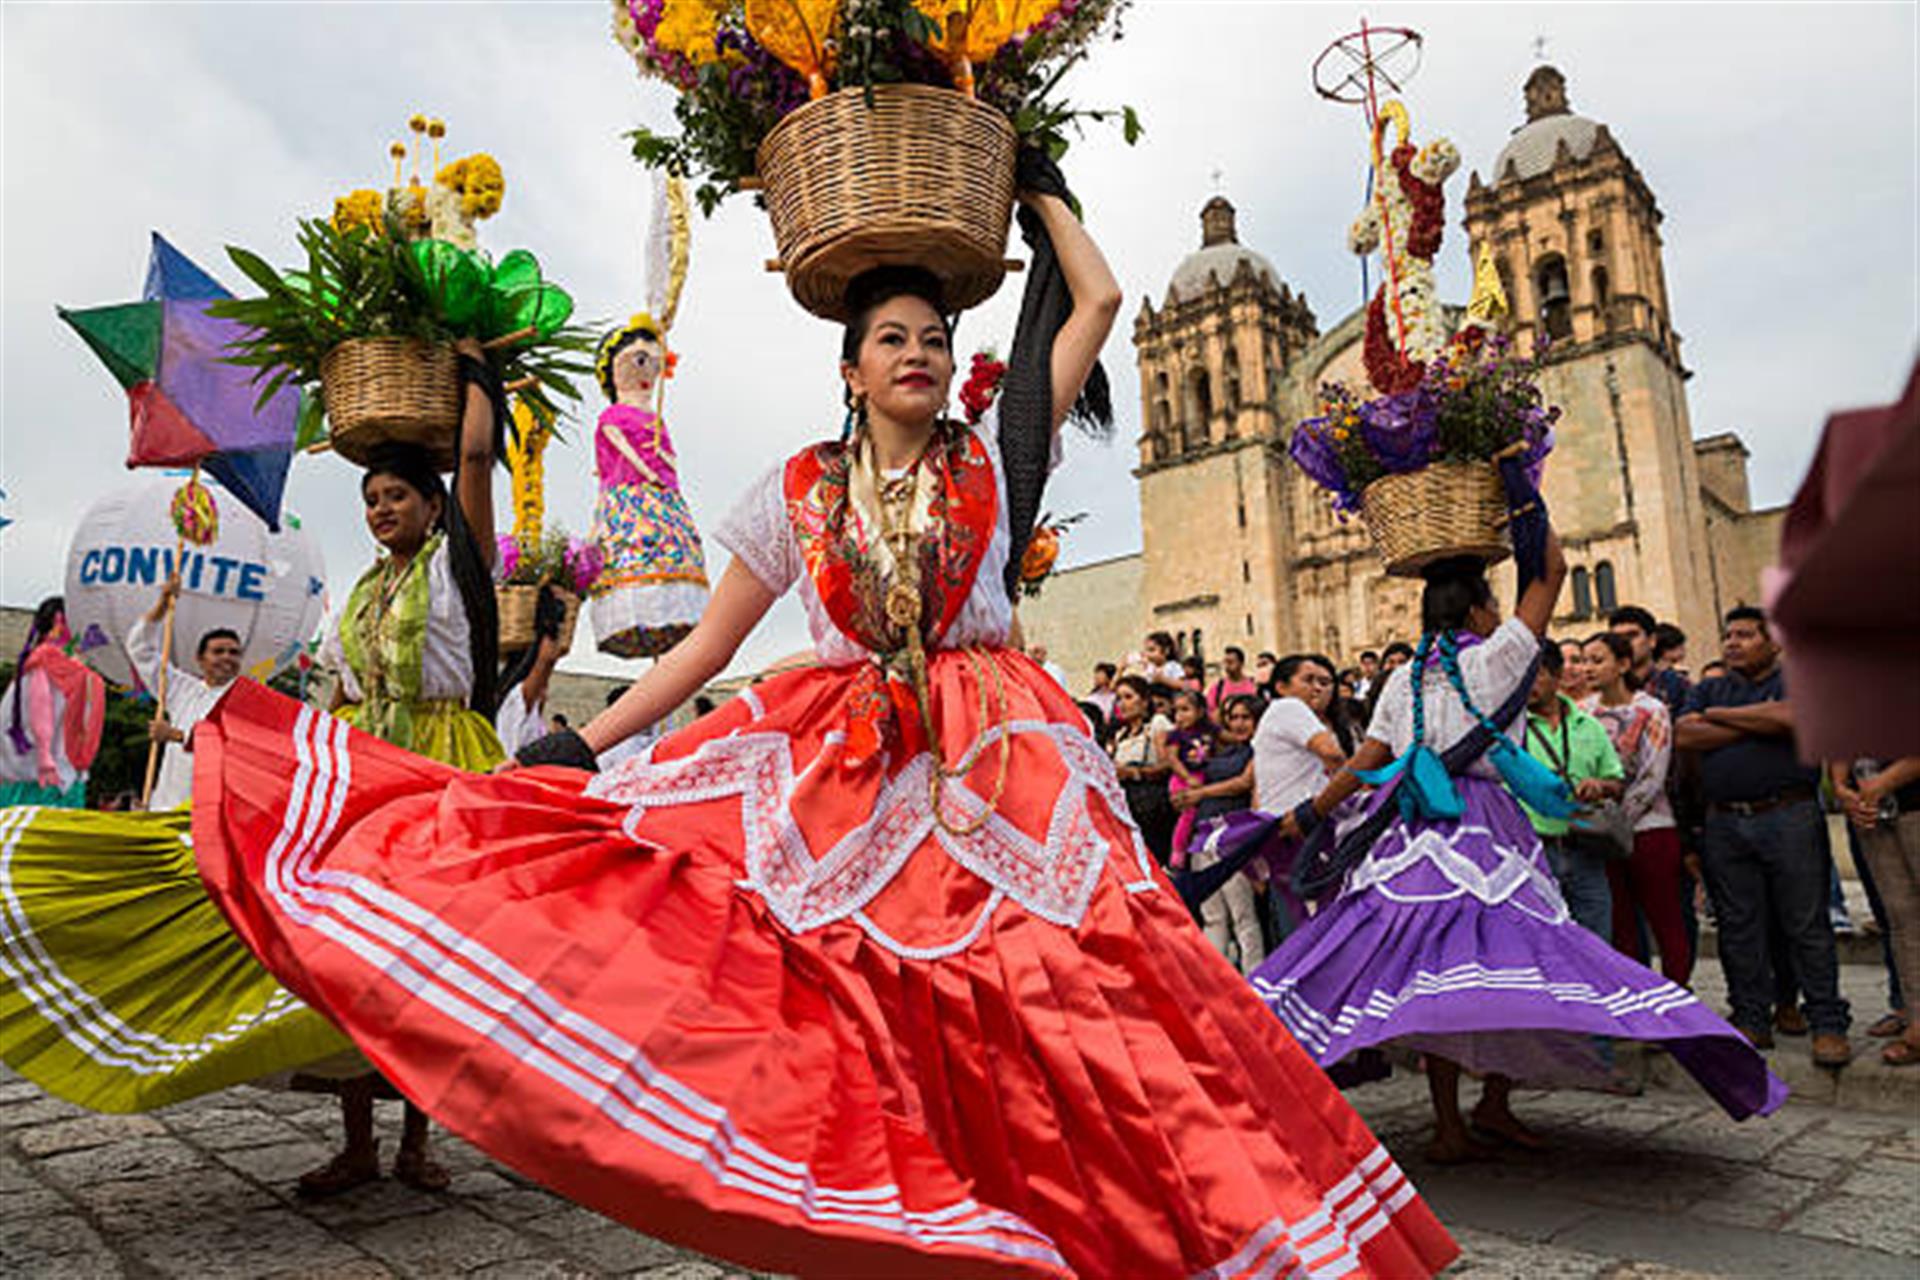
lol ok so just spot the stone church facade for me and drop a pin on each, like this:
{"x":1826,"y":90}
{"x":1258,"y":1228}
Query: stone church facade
{"x":1240,"y":548}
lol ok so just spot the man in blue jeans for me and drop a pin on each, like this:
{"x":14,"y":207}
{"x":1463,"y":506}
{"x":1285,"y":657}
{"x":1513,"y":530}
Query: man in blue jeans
{"x":1574,"y":745}
{"x":1763,"y":853}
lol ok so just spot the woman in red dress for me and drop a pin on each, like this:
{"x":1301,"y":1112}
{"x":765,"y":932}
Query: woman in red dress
{"x":866,"y":973}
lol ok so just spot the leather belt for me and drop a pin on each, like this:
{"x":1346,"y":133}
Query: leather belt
{"x":1747,"y":808}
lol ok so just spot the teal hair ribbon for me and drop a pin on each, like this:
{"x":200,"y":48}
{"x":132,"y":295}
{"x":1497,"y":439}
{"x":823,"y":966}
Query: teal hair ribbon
{"x":1426,"y":793}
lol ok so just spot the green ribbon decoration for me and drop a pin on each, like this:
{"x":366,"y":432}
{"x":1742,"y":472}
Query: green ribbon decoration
{"x":489,"y":299}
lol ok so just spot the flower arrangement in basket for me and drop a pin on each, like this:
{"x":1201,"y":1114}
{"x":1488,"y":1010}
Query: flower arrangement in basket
{"x":537,"y":554}
{"x":550,"y":558}
{"x":1422,"y":461}
{"x":390,"y":282}
{"x":882,"y":131}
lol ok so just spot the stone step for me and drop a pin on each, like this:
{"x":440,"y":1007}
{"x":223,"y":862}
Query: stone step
{"x":1865,"y":1084}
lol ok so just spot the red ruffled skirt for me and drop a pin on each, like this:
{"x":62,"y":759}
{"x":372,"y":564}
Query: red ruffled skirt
{"x":746,"y":995}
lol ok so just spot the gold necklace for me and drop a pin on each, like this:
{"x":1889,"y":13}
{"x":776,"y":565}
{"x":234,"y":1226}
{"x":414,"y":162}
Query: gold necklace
{"x":904,"y":608}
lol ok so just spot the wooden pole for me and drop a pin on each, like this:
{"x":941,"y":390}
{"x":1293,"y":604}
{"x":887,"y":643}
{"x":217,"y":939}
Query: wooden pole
{"x":166,"y":659}
{"x":510,"y":339}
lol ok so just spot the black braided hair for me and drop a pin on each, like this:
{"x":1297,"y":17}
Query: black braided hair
{"x":1455,"y":587}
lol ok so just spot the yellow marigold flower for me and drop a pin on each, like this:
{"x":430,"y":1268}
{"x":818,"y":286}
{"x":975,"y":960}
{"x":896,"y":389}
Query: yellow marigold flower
{"x":357,"y":209}
{"x":1341,"y":433}
{"x":478,"y":180}
{"x":417,"y":122}
{"x":436,"y":128}
{"x":688,"y":28}
{"x":398,"y":151}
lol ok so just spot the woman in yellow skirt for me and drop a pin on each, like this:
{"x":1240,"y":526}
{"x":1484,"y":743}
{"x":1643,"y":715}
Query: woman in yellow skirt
{"x":122,"y":988}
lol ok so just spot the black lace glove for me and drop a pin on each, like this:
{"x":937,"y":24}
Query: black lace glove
{"x":565,"y":748}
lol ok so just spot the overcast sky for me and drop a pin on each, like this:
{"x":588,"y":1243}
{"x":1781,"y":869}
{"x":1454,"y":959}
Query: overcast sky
{"x":1779,"y":140}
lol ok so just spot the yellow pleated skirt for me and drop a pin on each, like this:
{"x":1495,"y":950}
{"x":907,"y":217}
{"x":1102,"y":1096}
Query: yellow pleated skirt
{"x":121,"y":986}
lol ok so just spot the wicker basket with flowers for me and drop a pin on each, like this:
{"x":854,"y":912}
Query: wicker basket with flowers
{"x":884,"y":132}
{"x":389,"y":283}
{"x":1422,"y":461}
{"x":567,"y":565}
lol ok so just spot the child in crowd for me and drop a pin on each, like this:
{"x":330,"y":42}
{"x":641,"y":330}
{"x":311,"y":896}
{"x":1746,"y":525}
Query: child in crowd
{"x":1187,"y":748}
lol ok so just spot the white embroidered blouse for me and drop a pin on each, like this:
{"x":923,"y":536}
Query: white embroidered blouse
{"x":759,"y":533}
{"x":1491,"y":670}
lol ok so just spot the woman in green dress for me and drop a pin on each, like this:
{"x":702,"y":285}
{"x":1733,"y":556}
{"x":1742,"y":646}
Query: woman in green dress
{"x":122,"y":988}
{"x":416,"y":647}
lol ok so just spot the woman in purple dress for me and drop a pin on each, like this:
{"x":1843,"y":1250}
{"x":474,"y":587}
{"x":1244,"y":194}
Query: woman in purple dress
{"x":1449,"y":934}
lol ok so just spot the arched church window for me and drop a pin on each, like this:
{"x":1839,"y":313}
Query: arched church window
{"x":1232,"y":363}
{"x":1603,"y":588}
{"x":1199,"y":410}
{"x":1601,"y":294}
{"x":1596,"y":243}
{"x":1556,"y":299}
{"x":1582,"y":594}
{"x":1162,"y":426}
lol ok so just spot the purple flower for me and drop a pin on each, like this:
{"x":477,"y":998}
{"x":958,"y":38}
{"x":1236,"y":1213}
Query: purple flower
{"x":1401,"y":430}
{"x":508,"y":558}
{"x":584,"y":563}
{"x":1313,"y":450}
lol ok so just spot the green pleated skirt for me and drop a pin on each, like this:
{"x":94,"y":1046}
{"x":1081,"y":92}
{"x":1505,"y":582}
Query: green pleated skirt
{"x":121,"y":986}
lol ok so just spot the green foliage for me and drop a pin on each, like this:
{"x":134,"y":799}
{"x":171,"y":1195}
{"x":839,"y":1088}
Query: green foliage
{"x":121,"y":765}
{"x":359,"y":283}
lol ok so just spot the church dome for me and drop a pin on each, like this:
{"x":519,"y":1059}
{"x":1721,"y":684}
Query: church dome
{"x":1550,"y":122}
{"x":1218,"y":257}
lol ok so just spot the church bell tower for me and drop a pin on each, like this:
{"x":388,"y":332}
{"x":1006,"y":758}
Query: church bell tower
{"x":1213,"y":360}
{"x":1575,"y":235}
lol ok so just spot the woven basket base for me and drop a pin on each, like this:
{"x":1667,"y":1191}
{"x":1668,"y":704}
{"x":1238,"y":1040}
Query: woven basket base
{"x":904,"y":175}
{"x":516,"y":604}
{"x":1443,"y":511}
{"x":381,"y":390}
{"x":969,"y":273}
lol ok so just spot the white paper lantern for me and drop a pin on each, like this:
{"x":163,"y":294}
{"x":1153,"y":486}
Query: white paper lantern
{"x":270,"y":588}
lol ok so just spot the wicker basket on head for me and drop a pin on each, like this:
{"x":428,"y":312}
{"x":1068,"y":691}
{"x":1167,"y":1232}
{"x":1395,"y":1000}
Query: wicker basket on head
{"x":1447,"y":509}
{"x":382,"y":389}
{"x":922,"y":177}
{"x":516,"y":603}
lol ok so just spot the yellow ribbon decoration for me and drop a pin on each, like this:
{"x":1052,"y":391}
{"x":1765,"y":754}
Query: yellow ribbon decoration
{"x":1488,"y":306}
{"x":796,"y":32}
{"x":526,"y":444}
{"x":974,"y":30}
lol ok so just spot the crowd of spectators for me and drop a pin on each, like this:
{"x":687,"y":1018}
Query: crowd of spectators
{"x":1694,"y":804}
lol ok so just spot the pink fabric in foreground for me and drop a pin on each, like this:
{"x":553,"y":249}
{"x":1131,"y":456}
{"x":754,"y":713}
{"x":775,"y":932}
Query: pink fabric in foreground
{"x":1843,"y":599}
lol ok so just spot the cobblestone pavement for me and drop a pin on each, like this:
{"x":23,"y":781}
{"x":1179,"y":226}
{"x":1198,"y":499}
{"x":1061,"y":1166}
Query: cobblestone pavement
{"x":1650,"y":1188}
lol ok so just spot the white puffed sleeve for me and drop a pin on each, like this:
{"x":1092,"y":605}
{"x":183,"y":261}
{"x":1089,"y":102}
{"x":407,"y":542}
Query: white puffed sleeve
{"x":759,"y":534}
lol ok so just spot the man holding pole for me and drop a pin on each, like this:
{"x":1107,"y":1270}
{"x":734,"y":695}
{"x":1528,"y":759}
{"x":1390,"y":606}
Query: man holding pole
{"x":185,"y":698}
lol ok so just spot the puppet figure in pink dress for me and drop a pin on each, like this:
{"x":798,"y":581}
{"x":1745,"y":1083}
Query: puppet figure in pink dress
{"x":653,"y":587}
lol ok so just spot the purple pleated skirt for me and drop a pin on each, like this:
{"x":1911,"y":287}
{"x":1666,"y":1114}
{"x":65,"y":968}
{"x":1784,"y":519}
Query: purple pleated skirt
{"x":1453,"y":939}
